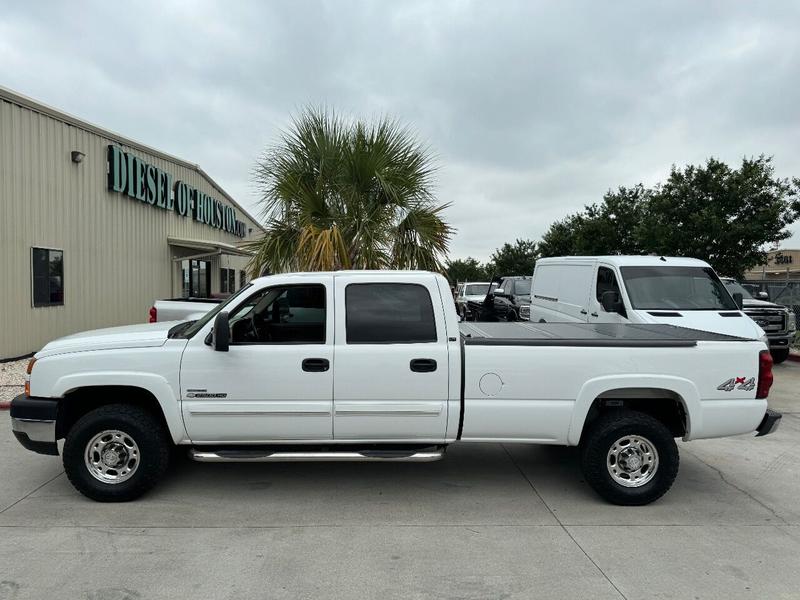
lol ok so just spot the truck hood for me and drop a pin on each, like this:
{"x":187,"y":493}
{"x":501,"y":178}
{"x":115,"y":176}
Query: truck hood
{"x":753,"y":303}
{"x":128,"y":336}
{"x":707,"y":320}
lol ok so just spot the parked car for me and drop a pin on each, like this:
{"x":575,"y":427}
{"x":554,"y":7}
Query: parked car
{"x":777,"y":321}
{"x":373,"y":366}
{"x":471,"y":291}
{"x":181,"y":309}
{"x":508,"y":301}
{"x":637,"y":289}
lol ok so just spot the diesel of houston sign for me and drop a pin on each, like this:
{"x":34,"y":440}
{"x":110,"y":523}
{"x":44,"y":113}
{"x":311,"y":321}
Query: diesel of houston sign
{"x":131,"y":175}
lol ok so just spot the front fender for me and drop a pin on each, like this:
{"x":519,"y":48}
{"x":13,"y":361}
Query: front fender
{"x":155,"y":384}
{"x":685,"y":389}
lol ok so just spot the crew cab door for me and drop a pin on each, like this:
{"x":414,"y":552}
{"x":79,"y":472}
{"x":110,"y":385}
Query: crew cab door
{"x":275,"y":383}
{"x":391,"y":380}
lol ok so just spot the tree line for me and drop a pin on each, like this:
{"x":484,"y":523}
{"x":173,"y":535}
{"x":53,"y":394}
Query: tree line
{"x":725,"y":216}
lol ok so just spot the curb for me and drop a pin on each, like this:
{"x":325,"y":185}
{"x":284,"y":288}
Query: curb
{"x":5,"y":405}
{"x":794,"y":357}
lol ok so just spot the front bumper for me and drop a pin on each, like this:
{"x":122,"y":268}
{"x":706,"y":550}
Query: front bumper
{"x":33,"y":422}
{"x":769,"y":423}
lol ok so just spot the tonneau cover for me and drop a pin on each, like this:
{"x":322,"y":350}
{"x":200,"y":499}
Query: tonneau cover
{"x":586,"y":334}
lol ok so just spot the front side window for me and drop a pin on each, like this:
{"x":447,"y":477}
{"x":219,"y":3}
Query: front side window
{"x":606,"y":282}
{"x":388,"y":313}
{"x":281,"y":315}
{"x":47,"y":277}
{"x":676,"y":288}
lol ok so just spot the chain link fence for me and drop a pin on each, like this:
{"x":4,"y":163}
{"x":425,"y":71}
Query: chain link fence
{"x":785,"y":293}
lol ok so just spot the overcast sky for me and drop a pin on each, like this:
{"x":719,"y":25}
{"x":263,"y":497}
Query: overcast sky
{"x":532,"y":108}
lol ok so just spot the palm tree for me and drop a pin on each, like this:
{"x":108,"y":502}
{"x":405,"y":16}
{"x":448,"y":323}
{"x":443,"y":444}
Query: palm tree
{"x":340,"y":194}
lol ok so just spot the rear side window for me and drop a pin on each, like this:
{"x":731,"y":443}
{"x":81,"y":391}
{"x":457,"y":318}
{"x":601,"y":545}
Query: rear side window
{"x":388,"y":313}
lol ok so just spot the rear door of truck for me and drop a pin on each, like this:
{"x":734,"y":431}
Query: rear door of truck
{"x":391,"y":376}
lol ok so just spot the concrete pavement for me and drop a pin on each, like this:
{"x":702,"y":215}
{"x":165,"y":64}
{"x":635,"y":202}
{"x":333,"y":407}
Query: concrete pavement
{"x":487,"y":522}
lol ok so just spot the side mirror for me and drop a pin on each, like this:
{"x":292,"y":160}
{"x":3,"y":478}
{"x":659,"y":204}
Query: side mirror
{"x":499,"y":292}
{"x":738,"y":299}
{"x":762,"y":295}
{"x":611,"y":302}
{"x":221,"y":335}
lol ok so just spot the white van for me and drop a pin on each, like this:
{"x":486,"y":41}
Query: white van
{"x":636,"y":289}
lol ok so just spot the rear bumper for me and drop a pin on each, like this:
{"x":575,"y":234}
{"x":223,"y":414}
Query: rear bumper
{"x":769,"y":423}
{"x":33,"y":422}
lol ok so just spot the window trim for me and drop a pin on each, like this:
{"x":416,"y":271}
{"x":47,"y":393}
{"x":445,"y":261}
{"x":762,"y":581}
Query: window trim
{"x":285,"y":286}
{"x":405,"y":283}
{"x":33,"y":290}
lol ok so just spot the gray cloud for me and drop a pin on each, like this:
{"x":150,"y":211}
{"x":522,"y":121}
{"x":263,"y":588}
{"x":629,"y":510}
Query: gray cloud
{"x":534,"y":109}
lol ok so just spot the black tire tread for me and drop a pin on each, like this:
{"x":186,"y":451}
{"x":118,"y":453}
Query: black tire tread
{"x":151,"y":434}
{"x":594,"y":450}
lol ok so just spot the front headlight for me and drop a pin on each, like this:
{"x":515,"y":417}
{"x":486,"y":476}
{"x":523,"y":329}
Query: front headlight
{"x":791,"y":321}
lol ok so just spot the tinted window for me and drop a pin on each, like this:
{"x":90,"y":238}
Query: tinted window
{"x":47,"y":274}
{"x":676,"y":288}
{"x":388,"y":313}
{"x":477,"y":289}
{"x":606,"y":282}
{"x":281,"y":315}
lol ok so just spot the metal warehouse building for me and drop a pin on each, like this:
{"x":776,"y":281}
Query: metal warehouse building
{"x":96,"y":226}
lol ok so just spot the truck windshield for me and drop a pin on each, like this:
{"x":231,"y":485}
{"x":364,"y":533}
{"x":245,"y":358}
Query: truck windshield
{"x":522,"y":287}
{"x":676,"y":288}
{"x":476,"y":289}
{"x":210,"y":315}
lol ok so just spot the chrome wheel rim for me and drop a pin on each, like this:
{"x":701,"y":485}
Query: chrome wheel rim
{"x":632,"y":461}
{"x":112,"y":456}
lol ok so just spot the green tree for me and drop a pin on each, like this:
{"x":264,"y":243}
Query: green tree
{"x":722,"y":215}
{"x":518,"y":258}
{"x":606,"y":228}
{"x":467,"y":269}
{"x":340,"y":194}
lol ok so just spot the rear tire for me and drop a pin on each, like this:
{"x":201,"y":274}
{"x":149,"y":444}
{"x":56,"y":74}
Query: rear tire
{"x":116,"y":453}
{"x":629,"y":458}
{"x":778,"y":356}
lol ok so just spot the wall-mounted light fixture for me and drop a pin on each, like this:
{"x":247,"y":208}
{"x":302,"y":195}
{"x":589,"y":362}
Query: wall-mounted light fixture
{"x":77,"y":156}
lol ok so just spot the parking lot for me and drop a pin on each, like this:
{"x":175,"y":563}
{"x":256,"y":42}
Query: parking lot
{"x":487,"y":522}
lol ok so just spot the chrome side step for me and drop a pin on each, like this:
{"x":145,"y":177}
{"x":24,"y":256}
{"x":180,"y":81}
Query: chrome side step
{"x":245,"y":455}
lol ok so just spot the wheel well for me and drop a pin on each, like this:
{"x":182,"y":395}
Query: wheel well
{"x":77,"y":403}
{"x":664,"y":405}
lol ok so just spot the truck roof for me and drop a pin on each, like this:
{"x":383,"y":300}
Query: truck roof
{"x":369,"y":273}
{"x":622,"y":260}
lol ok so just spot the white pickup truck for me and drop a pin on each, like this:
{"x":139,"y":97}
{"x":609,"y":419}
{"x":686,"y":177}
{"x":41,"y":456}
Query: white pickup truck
{"x":375,"y":366}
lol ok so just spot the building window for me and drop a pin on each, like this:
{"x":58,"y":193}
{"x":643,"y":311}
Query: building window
{"x":196,"y":278}
{"x":47,"y":276}
{"x":242,"y":279}
{"x":227,"y":281}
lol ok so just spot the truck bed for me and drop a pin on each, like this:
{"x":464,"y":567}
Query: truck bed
{"x":586,"y":334}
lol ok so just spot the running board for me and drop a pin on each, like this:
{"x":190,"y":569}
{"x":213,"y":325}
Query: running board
{"x":352,"y":456}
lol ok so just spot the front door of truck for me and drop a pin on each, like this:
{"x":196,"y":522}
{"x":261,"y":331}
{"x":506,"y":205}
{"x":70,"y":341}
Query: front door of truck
{"x":276,"y":381}
{"x":391,"y":379}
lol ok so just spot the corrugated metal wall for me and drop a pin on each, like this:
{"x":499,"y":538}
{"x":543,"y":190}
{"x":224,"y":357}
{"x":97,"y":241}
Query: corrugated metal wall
{"x":116,"y":257}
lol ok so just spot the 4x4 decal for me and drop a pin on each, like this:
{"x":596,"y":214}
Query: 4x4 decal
{"x":739,"y":383}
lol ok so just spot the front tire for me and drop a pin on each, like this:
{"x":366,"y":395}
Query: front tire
{"x":116,"y":453}
{"x":629,"y":458}
{"x":778,"y":356}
